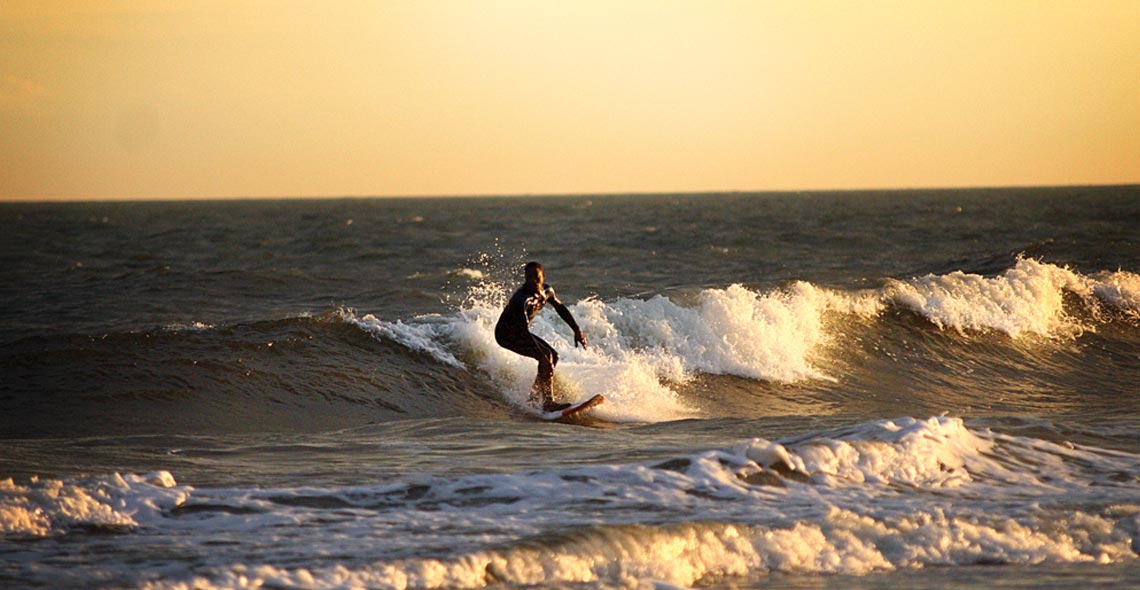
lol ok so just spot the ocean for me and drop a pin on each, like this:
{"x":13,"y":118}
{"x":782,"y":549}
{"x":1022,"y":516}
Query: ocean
{"x":892,"y":389}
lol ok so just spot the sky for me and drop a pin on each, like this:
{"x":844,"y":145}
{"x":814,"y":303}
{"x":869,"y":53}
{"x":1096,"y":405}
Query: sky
{"x":159,"y":99}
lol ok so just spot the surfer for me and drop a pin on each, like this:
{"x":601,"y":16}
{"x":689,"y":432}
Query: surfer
{"x":513,"y":332}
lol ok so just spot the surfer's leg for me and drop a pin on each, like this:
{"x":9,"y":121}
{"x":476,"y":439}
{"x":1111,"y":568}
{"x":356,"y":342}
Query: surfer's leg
{"x":543,"y":390}
{"x":529,"y":345}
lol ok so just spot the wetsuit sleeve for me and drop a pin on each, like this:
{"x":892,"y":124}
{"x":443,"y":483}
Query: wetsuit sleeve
{"x":563,"y":312}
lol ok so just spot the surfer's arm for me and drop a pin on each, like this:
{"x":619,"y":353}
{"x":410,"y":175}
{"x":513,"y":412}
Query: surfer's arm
{"x":564,"y":313}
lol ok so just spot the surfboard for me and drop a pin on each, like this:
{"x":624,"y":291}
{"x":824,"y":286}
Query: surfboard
{"x":574,"y":409}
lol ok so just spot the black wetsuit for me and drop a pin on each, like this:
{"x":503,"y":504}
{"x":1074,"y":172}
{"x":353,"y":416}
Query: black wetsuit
{"x":513,"y":332}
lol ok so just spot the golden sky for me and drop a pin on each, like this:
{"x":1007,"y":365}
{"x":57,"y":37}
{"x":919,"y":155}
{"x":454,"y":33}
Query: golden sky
{"x":202,"y":98}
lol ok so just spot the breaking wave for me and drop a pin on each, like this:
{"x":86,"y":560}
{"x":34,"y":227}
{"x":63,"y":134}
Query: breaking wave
{"x":644,"y":351}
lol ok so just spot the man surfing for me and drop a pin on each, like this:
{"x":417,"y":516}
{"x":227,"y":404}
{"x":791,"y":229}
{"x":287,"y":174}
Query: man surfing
{"x":513,"y":333}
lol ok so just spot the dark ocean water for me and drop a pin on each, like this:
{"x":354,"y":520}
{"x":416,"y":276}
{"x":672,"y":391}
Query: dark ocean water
{"x":875,"y":389}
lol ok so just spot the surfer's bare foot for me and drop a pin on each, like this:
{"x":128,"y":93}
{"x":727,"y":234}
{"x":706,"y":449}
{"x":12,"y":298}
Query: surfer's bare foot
{"x":554,"y":406}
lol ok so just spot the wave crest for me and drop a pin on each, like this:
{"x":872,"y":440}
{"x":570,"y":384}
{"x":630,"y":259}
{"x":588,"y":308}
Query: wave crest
{"x":1026,"y":299}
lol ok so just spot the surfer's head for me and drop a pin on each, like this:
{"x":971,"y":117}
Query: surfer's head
{"x":534,"y":273}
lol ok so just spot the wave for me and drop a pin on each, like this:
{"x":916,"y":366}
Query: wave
{"x":639,"y":347}
{"x":882,"y":495}
{"x":298,"y":374}
{"x":652,"y":358}
{"x":644,"y":352}
{"x":1026,"y":299}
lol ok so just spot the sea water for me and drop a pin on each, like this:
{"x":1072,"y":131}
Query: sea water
{"x":852,"y":390}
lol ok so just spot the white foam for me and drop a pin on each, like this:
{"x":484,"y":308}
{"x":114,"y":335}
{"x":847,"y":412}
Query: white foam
{"x":1120,"y":290}
{"x":420,"y":335}
{"x":842,"y":542}
{"x":884,"y":495}
{"x":1026,"y":299}
{"x":927,"y":453}
{"x":736,"y":331}
{"x":41,"y":508}
{"x":472,"y":274}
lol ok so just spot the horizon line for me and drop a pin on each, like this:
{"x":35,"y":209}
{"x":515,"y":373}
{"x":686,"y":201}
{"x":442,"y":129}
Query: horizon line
{"x":601,"y":194}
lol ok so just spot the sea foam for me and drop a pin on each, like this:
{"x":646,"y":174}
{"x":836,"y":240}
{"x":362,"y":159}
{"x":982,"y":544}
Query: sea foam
{"x":843,"y":542}
{"x":41,"y":508}
{"x":1026,"y":299}
{"x":884,"y":495}
{"x":1120,"y":290}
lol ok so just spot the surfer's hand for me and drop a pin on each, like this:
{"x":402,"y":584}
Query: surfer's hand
{"x":579,"y":339}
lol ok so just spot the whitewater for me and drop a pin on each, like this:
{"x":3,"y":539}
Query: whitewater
{"x":859,"y":390}
{"x":879,"y":496}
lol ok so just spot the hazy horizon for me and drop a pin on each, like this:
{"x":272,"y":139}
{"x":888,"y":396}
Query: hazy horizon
{"x":169,"y":100}
{"x":555,"y":195}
